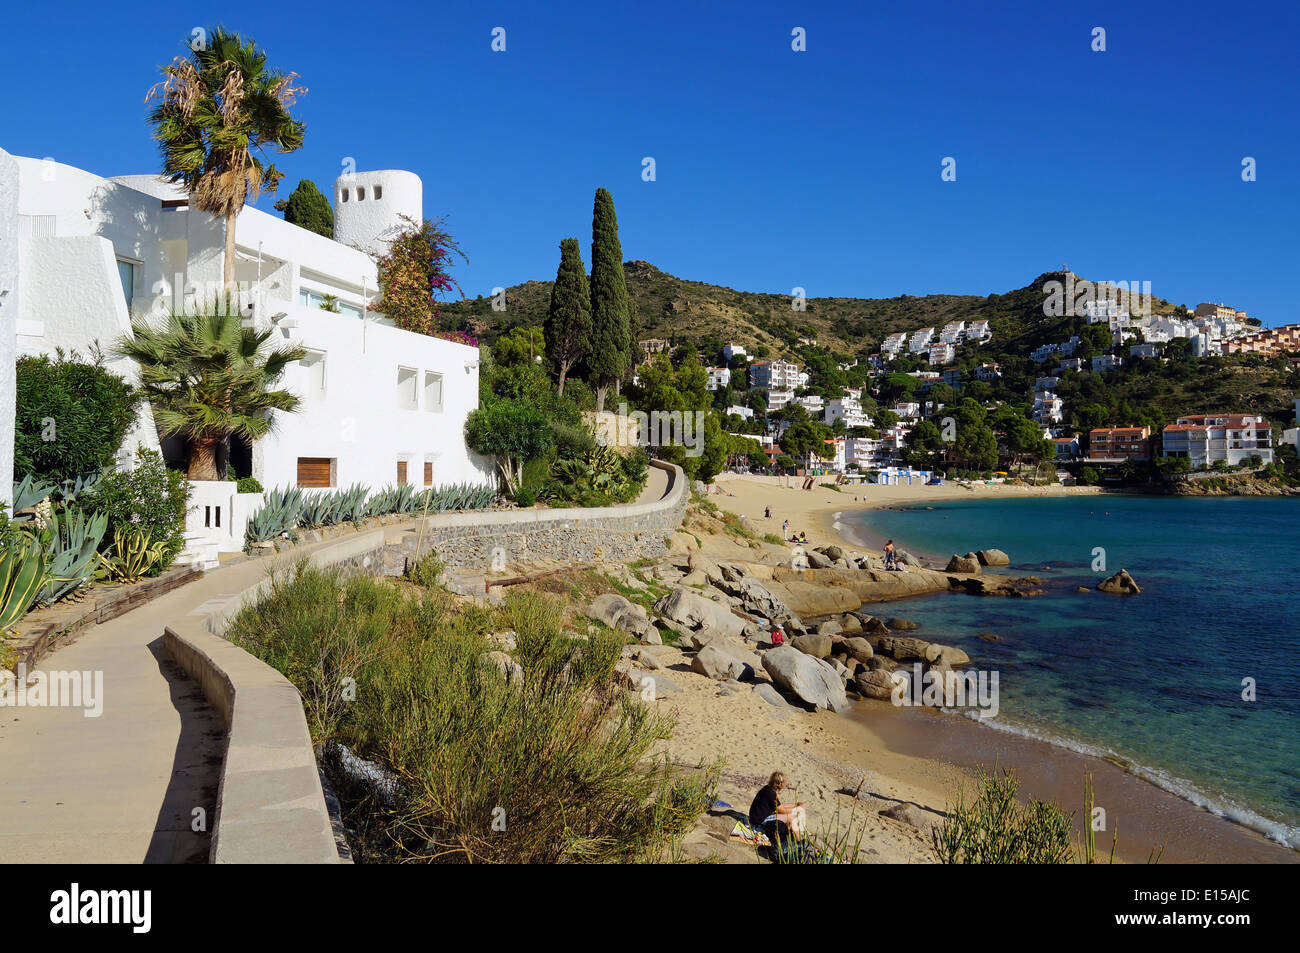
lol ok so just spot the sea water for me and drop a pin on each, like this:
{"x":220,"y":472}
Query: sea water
{"x":1160,"y":682}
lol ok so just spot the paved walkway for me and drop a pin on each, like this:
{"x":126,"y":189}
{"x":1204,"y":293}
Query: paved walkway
{"x":656,"y":485}
{"x":121,"y":787}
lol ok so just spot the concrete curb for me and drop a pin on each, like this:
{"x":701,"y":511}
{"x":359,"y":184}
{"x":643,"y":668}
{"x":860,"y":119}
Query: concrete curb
{"x":271,"y":806}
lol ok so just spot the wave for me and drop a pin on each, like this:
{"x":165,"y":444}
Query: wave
{"x":1219,"y":805}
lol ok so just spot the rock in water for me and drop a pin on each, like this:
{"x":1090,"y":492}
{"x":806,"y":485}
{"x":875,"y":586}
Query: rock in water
{"x":811,"y":679}
{"x":993,"y":557}
{"x":1121,"y":584}
{"x":901,"y":624}
{"x":968,"y":564}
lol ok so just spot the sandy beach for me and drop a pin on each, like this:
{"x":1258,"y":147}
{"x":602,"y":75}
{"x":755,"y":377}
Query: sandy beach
{"x":912,"y":755}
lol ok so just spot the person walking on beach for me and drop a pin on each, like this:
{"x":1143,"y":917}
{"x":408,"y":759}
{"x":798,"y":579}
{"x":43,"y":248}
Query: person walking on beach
{"x":785,"y":529}
{"x":889,"y":554}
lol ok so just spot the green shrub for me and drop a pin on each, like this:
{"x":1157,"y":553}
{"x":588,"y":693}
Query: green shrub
{"x":149,"y":498}
{"x":70,"y":418}
{"x":545,"y":770}
{"x":427,"y":571}
{"x":996,"y":828}
{"x":248,"y":485}
{"x":525,"y":496}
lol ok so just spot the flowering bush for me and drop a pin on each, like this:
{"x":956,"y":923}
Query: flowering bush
{"x":460,"y":337}
{"x":414,"y":271}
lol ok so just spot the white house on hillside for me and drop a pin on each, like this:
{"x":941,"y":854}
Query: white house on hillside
{"x":379,"y":405}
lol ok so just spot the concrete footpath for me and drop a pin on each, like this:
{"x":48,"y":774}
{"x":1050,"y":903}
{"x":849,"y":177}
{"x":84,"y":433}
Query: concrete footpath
{"x":122,"y":787}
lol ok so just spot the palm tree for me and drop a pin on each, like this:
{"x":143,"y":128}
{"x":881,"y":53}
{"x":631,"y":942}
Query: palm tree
{"x":208,"y":377}
{"x":217,"y":108}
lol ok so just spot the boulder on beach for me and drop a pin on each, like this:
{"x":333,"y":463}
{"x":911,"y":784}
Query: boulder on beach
{"x":1121,"y":584}
{"x":620,"y":614}
{"x":769,"y":694}
{"x":871,"y":625}
{"x":858,"y":648}
{"x":690,"y":608}
{"x":901,"y":624}
{"x":874,"y":683}
{"x":811,"y":680}
{"x":966,"y":564}
{"x":817,"y":560}
{"x":993,"y":557}
{"x":830,"y":627}
{"x":833,"y":553}
{"x":818,"y":645}
{"x":712,"y":662}
{"x":849,"y":623}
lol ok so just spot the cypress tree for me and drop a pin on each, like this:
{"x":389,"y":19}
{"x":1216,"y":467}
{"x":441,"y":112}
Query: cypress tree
{"x":611,"y":342}
{"x":307,"y":208}
{"x":568,"y":321}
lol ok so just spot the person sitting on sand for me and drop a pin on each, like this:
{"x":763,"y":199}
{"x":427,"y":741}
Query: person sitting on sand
{"x":778,"y":821}
{"x":803,"y":537}
{"x":889,"y":554}
{"x":767,"y":512}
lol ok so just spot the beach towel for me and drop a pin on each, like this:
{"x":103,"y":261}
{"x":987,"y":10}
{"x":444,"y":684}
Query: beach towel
{"x":746,"y":833}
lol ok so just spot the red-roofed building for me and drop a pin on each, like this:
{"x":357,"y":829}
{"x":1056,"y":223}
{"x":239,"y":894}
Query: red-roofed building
{"x":1206,"y":438}
{"x":1119,"y":443}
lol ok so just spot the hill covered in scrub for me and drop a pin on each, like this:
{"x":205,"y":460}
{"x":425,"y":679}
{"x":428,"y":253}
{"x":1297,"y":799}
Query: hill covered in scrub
{"x":706,"y":315}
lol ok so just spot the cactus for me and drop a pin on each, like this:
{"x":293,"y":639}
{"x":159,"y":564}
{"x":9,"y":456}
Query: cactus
{"x":22,"y":574}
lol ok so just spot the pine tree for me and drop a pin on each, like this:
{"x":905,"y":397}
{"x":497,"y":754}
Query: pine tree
{"x":610,"y":336}
{"x":568,"y":321}
{"x":308,"y":208}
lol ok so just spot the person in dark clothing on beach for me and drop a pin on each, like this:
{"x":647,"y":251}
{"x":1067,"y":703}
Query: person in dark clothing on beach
{"x":769,"y":815}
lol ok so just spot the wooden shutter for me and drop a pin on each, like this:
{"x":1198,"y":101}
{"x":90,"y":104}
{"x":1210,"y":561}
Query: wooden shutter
{"x":428,"y":473}
{"x":314,"y":471}
{"x":401,"y":473}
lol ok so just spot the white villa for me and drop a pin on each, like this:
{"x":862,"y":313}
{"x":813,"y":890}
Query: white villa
{"x":81,"y":254}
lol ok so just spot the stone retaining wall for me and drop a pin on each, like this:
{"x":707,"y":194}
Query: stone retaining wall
{"x":616,"y":533}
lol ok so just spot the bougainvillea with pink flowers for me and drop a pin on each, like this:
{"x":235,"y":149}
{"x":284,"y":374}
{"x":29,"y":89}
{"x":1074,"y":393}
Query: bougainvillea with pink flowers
{"x":414,"y":272}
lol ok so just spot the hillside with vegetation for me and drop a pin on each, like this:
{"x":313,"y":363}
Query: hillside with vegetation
{"x":707,"y":316}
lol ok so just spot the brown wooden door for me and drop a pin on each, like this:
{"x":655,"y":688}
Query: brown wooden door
{"x":428,"y":473}
{"x":314,"y":471}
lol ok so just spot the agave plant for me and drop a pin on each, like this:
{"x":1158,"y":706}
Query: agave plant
{"x":22,"y":574}
{"x":280,"y":512}
{"x":317,"y":509}
{"x":133,"y":555}
{"x":71,"y":542}
{"x":28,"y":492}
{"x":352,"y":503}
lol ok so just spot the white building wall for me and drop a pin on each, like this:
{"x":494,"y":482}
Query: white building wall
{"x":72,"y":296}
{"x":358,"y":421}
{"x":9,"y":295}
{"x":363,"y":220}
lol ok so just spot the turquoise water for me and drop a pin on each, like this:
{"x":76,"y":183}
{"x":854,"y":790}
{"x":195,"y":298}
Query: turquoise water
{"x":1156,"y":679}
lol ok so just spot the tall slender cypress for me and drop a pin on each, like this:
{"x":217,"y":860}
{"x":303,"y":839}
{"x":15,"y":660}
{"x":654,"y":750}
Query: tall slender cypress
{"x":611,"y":339}
{"x":568,"y":321}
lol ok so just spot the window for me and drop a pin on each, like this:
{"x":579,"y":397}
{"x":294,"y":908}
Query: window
{"x":401,"y":473}
{"x":407,"y":399}
{"x":432,"y":391}
{"x":379,"y":192}
{"x":351,"y":310}
{"x":316,"y":471}
{"x":314,"y":299}
{"x":343,"y":195}
{"x":314,"y":385}
{"x":361,"y":193}
{"x":428,"y":471}
{"x":126,"y":274}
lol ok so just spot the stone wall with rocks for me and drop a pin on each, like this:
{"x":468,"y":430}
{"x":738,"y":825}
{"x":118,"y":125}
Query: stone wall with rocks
{"x":612,"y":533}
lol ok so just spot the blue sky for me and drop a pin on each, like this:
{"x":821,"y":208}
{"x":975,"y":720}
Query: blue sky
{"x":775,"y":169}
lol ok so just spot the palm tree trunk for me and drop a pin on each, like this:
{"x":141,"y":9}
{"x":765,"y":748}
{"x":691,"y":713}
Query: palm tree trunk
{"x":203,"y":459}
{"x":228,"y":265}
